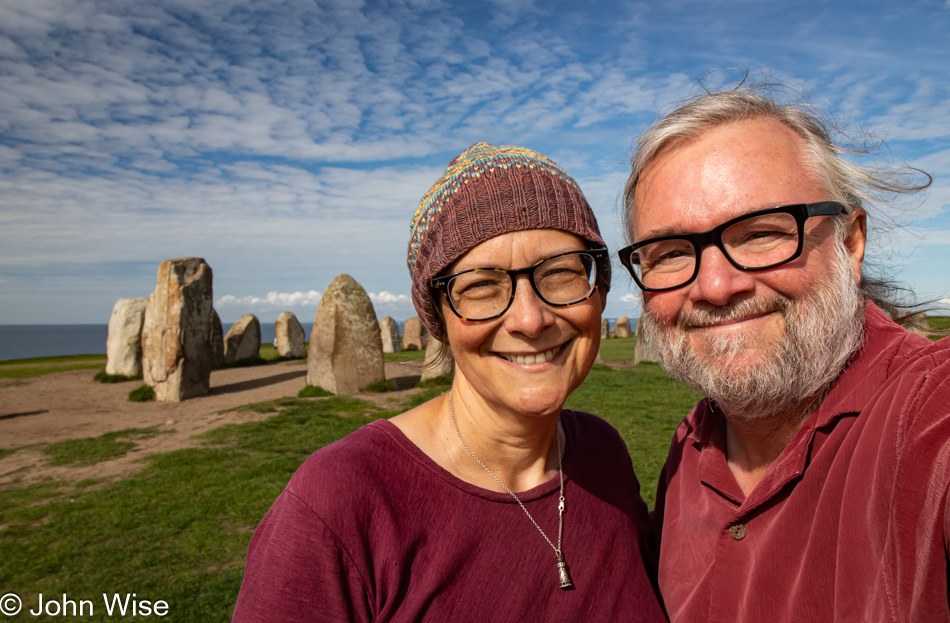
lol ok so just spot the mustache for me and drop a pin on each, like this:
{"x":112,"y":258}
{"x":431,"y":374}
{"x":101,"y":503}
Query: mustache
{"x":707,"y":315}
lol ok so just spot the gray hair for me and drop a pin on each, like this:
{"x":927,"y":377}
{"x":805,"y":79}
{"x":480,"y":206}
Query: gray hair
{"x":854,"y":185}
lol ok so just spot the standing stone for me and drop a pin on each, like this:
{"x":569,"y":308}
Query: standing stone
{"x":622,"y":328}
{"x":604,"y":328}
{"x":642,"y":351}
{"x":176,"y":337}
{"x":346,"y":350}
{"x":289,"y":336}
{"x":414,"y":334}
{"x":389,"y":332}
{"x":435,"y":366}
{"x":124,"y":344}
{"x":217,"y":341}
{"x":243,"y":340}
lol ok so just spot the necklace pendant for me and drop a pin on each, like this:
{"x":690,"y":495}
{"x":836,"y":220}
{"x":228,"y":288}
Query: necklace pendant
{"x":564,"y":575}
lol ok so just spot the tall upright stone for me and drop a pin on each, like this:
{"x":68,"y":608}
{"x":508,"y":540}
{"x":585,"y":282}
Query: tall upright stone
{"x":243,"y":340}
{"x":604,"y":328}
{"x":124,"y":344}
{"x":176,"y":336}
{"x":217,"y":341}
{"x":642,"y":351}
{"x":439,"y":360}
{"x":289,"y":336}
{"x":389,"y":332}
{"x":346,"y":350}
{"x":414,"y":334}
{"x":622,"y":328}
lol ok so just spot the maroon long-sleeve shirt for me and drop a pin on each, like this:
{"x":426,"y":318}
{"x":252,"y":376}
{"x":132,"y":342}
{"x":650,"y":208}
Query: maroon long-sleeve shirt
{"x":371,"y":529}
{"x":849,"y":524}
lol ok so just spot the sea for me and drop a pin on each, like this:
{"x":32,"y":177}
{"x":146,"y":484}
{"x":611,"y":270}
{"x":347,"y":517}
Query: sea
{"x":26,"y":341}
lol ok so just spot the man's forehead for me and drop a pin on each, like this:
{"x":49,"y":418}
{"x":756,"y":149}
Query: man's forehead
{"x":725,"y":172}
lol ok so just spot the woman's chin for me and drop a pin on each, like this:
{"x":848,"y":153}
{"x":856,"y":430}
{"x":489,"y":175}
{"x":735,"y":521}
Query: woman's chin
{"x":536,"y":405}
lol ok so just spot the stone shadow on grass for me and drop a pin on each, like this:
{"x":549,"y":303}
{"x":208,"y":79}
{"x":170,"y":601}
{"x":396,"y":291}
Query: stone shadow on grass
{"x":405,"y":382}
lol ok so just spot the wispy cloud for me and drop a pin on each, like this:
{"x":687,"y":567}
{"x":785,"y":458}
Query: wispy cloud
{"x":230,"y":305}
{"x":388,"y":298}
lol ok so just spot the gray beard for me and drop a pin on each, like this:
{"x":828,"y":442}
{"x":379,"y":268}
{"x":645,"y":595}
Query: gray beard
{"x":822,"y":331}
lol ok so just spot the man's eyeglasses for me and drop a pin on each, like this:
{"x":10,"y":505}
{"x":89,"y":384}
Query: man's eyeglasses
{"x":755,"y":241}
{"x":486,"y":293}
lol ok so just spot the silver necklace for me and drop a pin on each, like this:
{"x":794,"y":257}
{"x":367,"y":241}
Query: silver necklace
{"x":564,"y":575}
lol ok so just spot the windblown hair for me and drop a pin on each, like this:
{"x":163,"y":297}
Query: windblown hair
{"x":854,"y":185}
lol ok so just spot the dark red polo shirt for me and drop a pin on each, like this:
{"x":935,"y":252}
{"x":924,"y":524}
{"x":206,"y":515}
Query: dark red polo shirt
{"x":849,"y":524}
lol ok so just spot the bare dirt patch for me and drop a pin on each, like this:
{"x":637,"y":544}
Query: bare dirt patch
{"x":70,"y":405}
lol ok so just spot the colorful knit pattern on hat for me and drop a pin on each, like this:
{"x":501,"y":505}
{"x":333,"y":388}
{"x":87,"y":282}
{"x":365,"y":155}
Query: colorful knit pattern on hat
{"x":470,"y":165}
{"x":487,"y":191}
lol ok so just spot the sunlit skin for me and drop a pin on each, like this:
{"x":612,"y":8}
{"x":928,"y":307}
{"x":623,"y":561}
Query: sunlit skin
{"x":728,"y":171}
{"x":508,"y":412}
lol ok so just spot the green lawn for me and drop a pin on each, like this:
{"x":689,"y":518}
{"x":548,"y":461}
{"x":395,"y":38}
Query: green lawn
{"x":617,"y":349}
{"x":645,"y":405}
{"x":25,"y":368}
{"x":176,"y":531}
{"x":405,"y":355}
{"x":941,"y":323}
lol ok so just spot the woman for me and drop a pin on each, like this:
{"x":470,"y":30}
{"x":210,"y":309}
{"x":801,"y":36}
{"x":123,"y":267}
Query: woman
{"x":489,"y":502}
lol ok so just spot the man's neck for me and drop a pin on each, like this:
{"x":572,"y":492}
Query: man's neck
{"x":752,"y":446}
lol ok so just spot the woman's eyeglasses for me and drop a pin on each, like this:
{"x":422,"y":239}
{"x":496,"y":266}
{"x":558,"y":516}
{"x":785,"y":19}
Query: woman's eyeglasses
{"x":486,"y":293}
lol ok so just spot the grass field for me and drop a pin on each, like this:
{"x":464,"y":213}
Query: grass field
{"x":940,"y":322}
{"x":26,"y":368}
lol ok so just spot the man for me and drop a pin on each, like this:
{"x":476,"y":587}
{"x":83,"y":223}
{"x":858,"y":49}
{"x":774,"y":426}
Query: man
{"x":812,"y":482}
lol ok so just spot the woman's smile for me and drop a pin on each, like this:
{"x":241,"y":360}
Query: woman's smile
{"x":532,"y":358}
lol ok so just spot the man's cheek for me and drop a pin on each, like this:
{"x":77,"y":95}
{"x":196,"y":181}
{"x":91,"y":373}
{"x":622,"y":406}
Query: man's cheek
{"x":664,"y":310}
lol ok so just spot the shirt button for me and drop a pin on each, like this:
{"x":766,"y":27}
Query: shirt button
{"x":737,"y":531}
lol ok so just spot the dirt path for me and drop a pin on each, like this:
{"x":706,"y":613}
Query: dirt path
{"x":70,"y":405}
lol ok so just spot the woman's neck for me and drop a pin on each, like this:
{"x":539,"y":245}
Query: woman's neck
{"x":520,"y":450}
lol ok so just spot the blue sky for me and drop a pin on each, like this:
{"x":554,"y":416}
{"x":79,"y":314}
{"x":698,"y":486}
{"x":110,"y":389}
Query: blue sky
{"x":288,"y":142}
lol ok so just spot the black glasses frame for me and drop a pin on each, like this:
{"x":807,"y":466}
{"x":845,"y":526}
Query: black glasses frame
{"x":801,"y":211}
{"x":441,"y":282}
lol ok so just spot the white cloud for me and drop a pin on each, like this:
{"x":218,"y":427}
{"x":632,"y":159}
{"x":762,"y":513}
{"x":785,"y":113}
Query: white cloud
{"x":630,"y":297}
{"x":279,"y":301}
{"x":388,"y":298}
{"x":273,"y":301}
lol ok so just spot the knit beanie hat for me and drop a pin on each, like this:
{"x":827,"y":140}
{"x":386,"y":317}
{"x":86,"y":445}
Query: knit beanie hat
{"x":487,"y":191}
